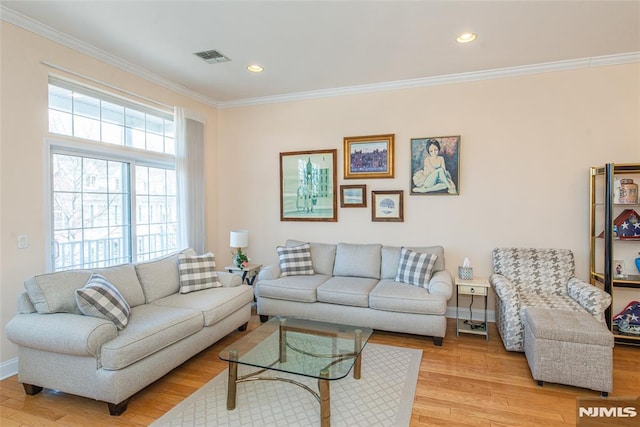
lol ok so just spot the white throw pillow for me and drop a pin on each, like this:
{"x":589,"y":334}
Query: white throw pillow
{"x":415,"y":268}
{"x":197,"y":272}
{"x":99,"y":298}
{"x":295,"y":260}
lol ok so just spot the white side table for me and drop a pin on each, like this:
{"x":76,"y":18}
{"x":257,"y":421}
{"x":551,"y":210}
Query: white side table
{"x":248,"y":273}
{"x":479,"y":286}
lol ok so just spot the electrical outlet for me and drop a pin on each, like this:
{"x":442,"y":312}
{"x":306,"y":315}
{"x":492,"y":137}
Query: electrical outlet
{"x":23,"y":241}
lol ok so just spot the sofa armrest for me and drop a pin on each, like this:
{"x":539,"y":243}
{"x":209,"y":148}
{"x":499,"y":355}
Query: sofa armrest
{"x":269,"y":272}
{"x":441,"y":284}
{"x":229,"y":280}
{"x":591,"y":298}
{"x":64,"y":333}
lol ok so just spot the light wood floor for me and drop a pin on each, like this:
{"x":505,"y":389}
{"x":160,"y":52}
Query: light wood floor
{"x":466,"y":382}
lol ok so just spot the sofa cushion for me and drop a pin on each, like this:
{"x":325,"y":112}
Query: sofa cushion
{"x":151,"y":328}
{"x":197,"y":272}
{"x":56,"y":292}
{"x":346,"y":291}
{"x":415,"y":267}
{"x":295,"y":260}
{"x":390,"y":295}
{"x":391,"y":259}
{"x":159,"y":277}
{"x":293,"y":288}
{"x":356,"y":260}
{"x":99,"y":298}
{"x":215,"y":304}
{"x":323,"y":255}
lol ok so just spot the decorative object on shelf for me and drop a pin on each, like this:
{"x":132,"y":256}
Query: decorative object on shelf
{"x":368,"y":156}
{"x":239,"y":239}
{"x":353,"y":196}
{"x":638,"y":263}
{"x":619,"y":270}
{"x":626,"y":225}
{"x":308,"y":190}
{"x":465,"y":271}
{"x":435,"y":164}
{"x":387,"y":206}
{"x":628,"y":192}
{"x":628,"y":320}
{"x":616,"y":191}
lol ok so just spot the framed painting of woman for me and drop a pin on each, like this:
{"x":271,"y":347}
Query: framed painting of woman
{"x":435,"y":165}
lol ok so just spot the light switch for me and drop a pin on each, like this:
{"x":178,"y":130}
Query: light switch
{"x":23,"y":241}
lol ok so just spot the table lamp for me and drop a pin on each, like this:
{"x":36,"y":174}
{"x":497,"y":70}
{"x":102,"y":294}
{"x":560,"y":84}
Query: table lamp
{"x":239,"y":239}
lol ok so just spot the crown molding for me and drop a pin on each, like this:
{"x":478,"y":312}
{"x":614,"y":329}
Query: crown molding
{"x":13,"y":17}
{"x":572,"y":64}
{"x":34,"y":26}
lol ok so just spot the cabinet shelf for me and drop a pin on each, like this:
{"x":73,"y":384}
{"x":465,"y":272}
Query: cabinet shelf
{"x":605,"y":247}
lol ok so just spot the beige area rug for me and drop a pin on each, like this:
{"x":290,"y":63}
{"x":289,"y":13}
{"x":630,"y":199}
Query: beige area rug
{"x":382,"y":397}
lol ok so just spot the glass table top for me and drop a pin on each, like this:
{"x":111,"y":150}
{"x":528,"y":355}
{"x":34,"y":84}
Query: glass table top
{"x":304,"y":347}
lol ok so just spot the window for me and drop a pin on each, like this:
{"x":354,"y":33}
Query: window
{"x":113,"y":181}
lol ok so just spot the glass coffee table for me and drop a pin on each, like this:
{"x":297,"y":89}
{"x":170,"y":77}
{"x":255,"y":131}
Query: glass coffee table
{"x":320,"y":350}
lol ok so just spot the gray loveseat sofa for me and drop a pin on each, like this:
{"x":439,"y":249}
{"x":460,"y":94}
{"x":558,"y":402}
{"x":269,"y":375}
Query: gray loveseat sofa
{"x":355,"y":284}
{"x":62,"y":349}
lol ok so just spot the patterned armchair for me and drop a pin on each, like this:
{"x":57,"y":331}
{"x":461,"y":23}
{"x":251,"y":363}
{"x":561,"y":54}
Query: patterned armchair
{"x":538,"y":278}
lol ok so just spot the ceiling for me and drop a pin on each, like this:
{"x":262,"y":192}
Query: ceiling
{"x":310,"y":46}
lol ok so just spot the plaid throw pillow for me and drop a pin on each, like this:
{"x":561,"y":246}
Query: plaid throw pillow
{"x":415,"y":267}
{"x":99,"y":298}
{"x":197,"y":272}
{"x":295,"y":260}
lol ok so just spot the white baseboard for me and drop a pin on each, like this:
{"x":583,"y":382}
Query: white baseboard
{"x":477,"y":314}
{"x":8,"y":368}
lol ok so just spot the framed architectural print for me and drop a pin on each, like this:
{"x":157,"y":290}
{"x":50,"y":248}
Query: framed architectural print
{"x":368,"y":156}
{"x":435,"y":164}
{"x":387,"y":206}
{"x":353,"y":196}
{"x":308,"y":186}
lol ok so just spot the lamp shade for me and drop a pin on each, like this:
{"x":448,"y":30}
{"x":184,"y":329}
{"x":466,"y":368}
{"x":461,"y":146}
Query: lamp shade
{"x":239,"y":238}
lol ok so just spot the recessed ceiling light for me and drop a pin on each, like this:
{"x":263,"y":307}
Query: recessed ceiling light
{"x":466,"y":37}
{"x":255,"y":68}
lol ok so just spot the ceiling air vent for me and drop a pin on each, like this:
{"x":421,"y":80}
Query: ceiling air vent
{"x":212,"y":56}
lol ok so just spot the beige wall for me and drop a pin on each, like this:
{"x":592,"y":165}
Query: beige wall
{"x":527,"y":144}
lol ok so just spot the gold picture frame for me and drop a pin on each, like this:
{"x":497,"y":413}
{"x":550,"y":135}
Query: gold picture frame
{"x":368,"y":156}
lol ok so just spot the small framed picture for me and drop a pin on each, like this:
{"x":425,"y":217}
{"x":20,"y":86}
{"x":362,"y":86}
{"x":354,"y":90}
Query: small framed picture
{"x":387,"y":206}
{"x":353,"y":196}
{"x":619,"y":270}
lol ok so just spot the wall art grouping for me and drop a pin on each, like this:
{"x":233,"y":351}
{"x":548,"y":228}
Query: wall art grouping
{"x":308,"y":181}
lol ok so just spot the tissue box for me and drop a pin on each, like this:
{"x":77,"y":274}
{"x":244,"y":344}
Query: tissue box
{"x":465,"y":273}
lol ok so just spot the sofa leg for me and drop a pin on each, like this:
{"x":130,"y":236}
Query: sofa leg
{"x":243,"y":327}
{"x":263,"y":318}
{"x":540,"y":383}
{"x":437,"y":341}
{"x":116,"y":409}
{"x":604,"y":394}
{"x":31,"y":389}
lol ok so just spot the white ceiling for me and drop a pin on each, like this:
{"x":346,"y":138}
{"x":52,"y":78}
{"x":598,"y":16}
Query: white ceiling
{"x":309,"y":46}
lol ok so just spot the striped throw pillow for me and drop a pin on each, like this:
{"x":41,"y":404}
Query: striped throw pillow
{"x":415,"y":268}
{"x":99,"y":298}
{"x":295,"y":260}
{"x":197,"y":272}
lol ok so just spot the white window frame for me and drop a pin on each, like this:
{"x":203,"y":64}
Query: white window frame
{"x":75,"y":146}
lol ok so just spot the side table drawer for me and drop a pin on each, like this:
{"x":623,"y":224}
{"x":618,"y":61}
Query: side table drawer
{"x":472,"y":290}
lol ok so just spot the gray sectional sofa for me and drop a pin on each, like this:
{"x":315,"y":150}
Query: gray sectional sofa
{"x":355,"y":284}
{"x":62,"y":349}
